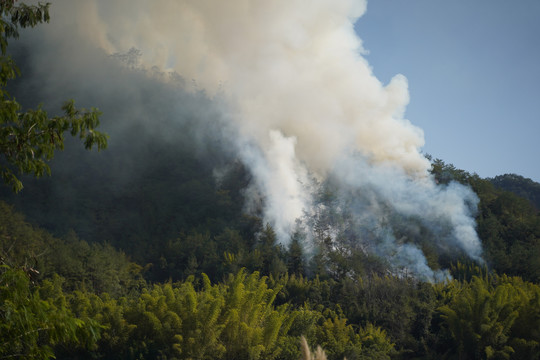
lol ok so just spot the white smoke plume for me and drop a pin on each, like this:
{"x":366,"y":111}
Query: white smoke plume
{"x":304,"y":102}
{"x":282,"y":180}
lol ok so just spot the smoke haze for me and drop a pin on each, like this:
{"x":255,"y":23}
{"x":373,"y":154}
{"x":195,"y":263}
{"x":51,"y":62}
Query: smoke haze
{"x":293,"y":100}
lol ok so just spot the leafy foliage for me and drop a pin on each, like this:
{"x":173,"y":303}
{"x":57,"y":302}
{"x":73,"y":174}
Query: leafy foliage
{"x":96,"y":267}
{"x":247,"y":316}
{"x":32,"y":325}
{"x":28,"y":139}
{"x":482,"y":318}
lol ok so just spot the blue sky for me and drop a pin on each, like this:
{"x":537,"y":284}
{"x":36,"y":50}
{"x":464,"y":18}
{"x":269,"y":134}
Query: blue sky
{"x":474,"y":77}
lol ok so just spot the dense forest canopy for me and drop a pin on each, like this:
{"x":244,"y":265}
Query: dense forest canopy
{"x":523,"y":187}
{"x":165,"y":246}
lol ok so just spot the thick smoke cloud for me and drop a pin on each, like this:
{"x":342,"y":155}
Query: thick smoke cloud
{"x":395,"y":208}
{"x":299,"y":105}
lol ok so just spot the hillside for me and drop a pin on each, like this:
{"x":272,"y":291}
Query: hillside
{"x":519,"y":185}
{"x":231,"y":219}
{"x":119,"y":314}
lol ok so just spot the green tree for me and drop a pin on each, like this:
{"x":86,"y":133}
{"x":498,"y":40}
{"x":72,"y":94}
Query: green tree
{"x":480,"y":318}
{"x":295,"y":256}
{"x":29,"y":138}
{"x":252,"y":325}
{"x":157,"y":326}
{"x":272,"y":253}
{"x":35,"y":320}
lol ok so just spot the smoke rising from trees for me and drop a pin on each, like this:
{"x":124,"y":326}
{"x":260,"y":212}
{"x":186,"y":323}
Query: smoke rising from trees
{"x":292,"y":98}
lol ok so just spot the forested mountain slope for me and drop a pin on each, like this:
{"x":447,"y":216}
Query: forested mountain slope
{"x":162,"y":247}
{"x":173,"y":212}
{"x":509,"y":225}
{"x":111,"y":312}
{"x":131,"y":229}
{"x":519,"y":185}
